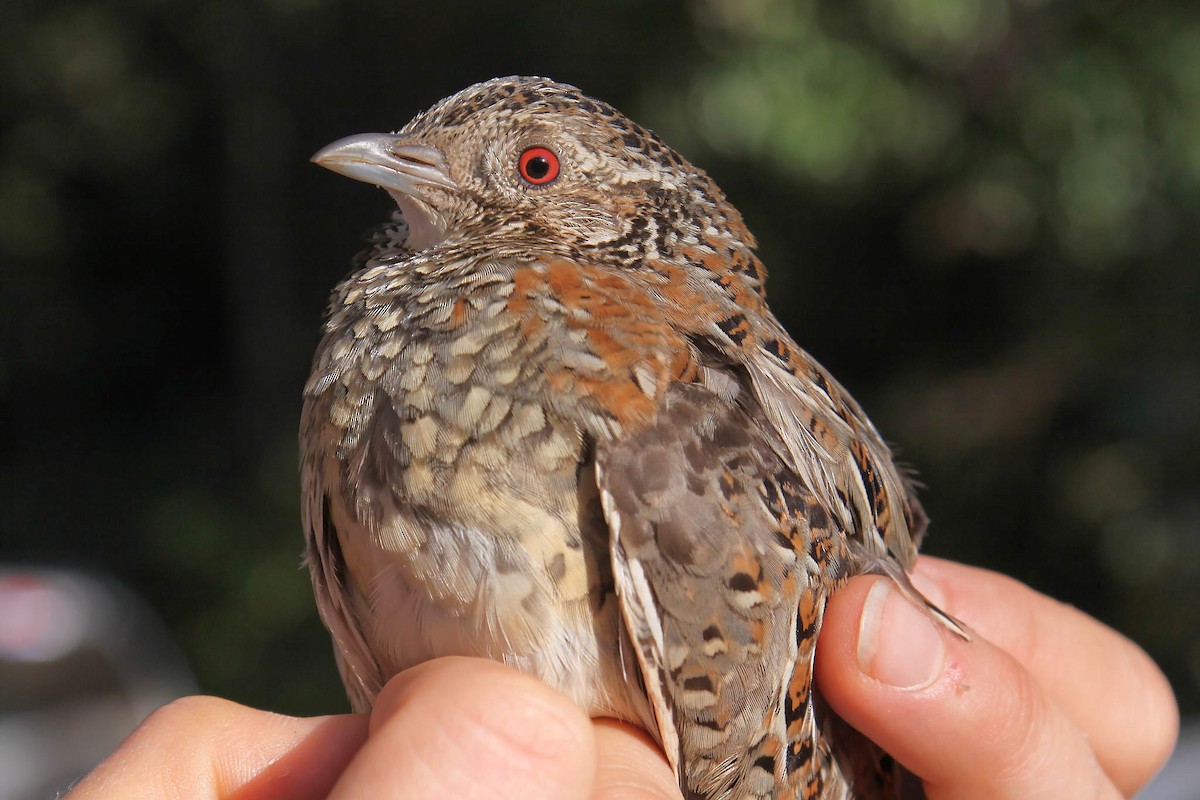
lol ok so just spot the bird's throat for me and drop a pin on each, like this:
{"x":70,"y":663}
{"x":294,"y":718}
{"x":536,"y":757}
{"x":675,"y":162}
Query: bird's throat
{"x":425,"y":227}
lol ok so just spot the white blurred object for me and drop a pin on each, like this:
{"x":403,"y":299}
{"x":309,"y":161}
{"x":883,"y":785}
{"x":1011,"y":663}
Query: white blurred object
{"x":82,"y":662}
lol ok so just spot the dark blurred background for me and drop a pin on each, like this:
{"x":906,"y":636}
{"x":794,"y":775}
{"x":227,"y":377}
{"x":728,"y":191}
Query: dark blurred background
{"x":982,"y":215}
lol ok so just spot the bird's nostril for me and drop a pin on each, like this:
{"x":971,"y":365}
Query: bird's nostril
{"x":413,"y":159}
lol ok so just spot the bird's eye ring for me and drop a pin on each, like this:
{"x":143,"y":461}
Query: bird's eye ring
{"x":538,"y":165}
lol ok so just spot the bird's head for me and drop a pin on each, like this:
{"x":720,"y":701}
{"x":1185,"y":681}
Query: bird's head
{"x":527,"y":163}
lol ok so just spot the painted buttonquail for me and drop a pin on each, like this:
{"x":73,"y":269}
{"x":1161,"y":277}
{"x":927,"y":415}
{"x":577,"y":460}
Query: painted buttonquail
{"x":552,"y":422}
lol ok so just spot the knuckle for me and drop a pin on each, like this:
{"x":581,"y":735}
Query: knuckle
{"x":178,"y":719}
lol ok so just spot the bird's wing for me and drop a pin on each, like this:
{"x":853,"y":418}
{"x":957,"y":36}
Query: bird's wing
{"x":343,"y":609}
{"x":723,"y":560}
{"x":823,"y":433}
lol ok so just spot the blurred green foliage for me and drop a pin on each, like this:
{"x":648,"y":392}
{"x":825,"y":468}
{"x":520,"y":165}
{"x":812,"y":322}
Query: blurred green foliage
{"x":982,"y":215}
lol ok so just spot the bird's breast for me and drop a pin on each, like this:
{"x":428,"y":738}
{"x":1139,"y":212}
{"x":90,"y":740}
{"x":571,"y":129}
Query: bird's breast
{"x":468,"y":517}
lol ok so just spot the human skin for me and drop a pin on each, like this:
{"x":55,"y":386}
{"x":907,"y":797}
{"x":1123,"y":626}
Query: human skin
{"x":1042,"y":702}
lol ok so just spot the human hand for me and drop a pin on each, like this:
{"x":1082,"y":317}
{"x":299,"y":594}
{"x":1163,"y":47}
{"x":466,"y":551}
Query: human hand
{"x":1045,"y":702}
{"x":453,"y":727}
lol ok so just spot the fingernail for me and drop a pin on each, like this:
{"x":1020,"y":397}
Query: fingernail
{"x":898,"y":644}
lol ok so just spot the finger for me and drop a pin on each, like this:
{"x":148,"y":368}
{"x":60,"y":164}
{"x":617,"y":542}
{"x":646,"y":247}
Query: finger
{"x":1105,"y":683}
{"x":205,"y":747}
{"x":963,"y":716}
{"x":631,"y":765}
{"x":470,"y":728}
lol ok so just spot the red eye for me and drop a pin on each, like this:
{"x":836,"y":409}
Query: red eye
{"x":538,"y":166}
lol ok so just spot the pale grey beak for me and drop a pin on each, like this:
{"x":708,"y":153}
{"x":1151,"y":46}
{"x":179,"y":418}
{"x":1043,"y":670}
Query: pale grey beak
{"x":404,"y":170}
{"x":384,"y":160}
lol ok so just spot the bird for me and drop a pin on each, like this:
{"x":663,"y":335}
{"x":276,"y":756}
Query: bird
{"x":553,"y":422}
